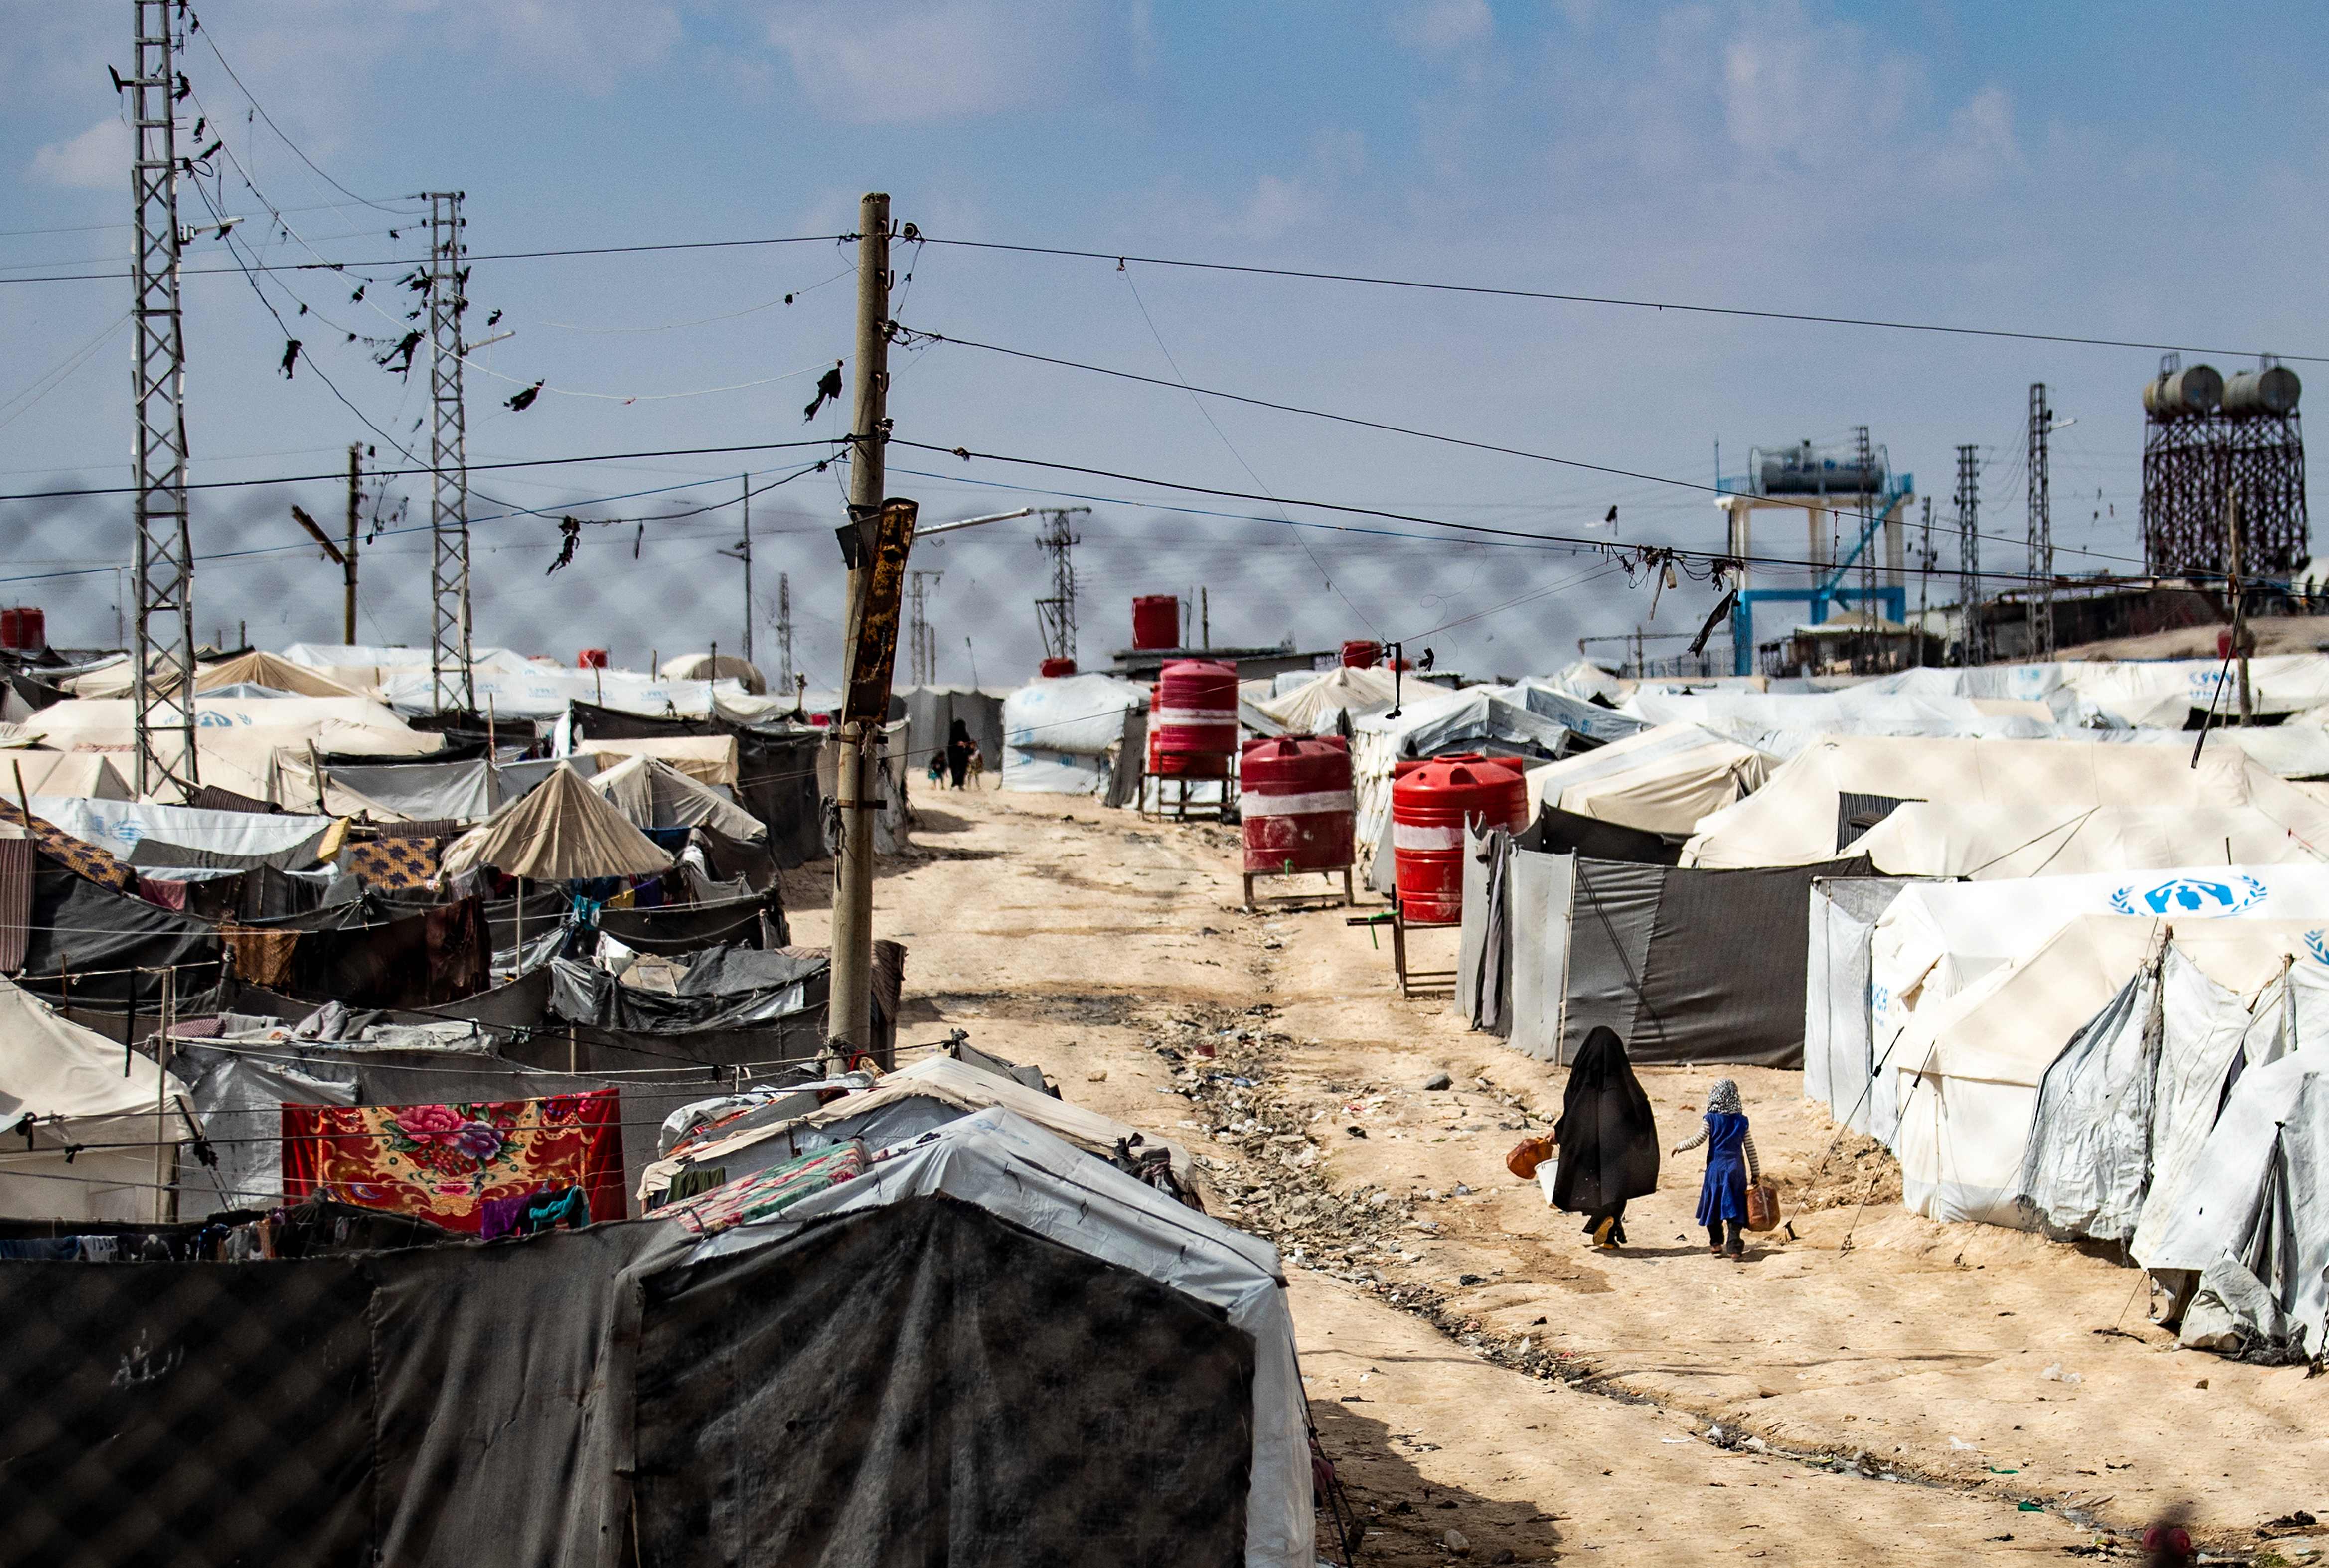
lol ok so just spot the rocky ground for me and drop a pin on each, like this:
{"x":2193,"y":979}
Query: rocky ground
{"x":1867,"y":1386}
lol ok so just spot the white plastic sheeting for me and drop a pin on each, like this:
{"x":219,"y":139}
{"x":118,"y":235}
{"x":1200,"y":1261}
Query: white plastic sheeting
{"x":1660,"y":780}
{"x":1995,"y":840}
{"x":76,"y":1088}
{"x":1431,"y":722}
{"x":1018,"y":1171}
{"x":117,"y":826}
{"x":1072,"y":734}
{"x":1840,"y":1065}
{"x":1782,"y":725}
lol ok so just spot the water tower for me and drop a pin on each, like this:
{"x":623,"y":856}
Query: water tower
{"x":2207,"y":440}
{"x":1833,"y":501}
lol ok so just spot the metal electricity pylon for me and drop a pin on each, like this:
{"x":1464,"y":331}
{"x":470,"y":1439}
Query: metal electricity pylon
{"x":452,"y":679}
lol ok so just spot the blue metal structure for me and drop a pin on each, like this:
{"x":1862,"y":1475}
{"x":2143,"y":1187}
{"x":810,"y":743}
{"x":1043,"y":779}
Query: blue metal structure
{"x":1892,"y":602}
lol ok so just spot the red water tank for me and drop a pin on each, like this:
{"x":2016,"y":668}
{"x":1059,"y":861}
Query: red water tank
{"x":1157,"y":621}
{"x":1052,"y":668}
{"x":591,"y":659}
{"x":1192,"y":719}
{"x":1429,"y":808}
{"x":1362,"y":654}
{"x":1299,"y":808}
{"x":24,"y":629}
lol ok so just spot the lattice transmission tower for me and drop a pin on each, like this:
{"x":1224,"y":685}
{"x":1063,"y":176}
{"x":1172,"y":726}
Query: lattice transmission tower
{"x":922,"y":639}
{"x":452,"y":677}
{"x":2040,"y":600}
{"x":1973,"y":644}
{"x":163,"y":677}
{"x":1055,"y":617}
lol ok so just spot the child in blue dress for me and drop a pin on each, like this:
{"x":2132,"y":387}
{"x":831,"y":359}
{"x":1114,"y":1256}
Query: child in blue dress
{"x":1731,"y":1166}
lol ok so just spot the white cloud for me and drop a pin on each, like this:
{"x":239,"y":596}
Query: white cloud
{"x":1440,"y":25}
{"x":926,"y":59}
{"x":96,"y":160}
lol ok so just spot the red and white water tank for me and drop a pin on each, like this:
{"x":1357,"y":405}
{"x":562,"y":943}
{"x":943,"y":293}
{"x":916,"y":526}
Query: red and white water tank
{"x":1157,"y":621}
{"x":1300,"y":814}
{"x":1431,"y":803}
{"x":24,"y":629}
{"x":1192,"y":719}
{"x":1359,"y":653}
{"x":591,"y":659}
{"x":1053,"y":669}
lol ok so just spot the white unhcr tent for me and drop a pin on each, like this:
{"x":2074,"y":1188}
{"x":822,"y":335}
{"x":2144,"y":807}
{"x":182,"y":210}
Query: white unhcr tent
{"x":1018,"y":1171}
{"x":1076,"y":734}
{"x":1661,"y":780}
{"x":2000,"y":839}
{"x":62,"y":1090}
{"x":560,"y":832}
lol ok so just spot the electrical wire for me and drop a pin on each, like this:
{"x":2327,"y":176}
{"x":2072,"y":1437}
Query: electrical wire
{"x":261,"y":108}
{"x":492,"y":256}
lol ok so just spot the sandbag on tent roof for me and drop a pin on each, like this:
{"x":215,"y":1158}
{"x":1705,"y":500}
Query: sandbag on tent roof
{"x":1794,"y":818}
{"x":1020,"y":1172}
{"x":901,"y":1106}
{"x":1658,"y":781}
{"x":63,"y":1088}
{"x":652,"y":793}
{"x":560,"y":832}
{"x":1994,"y":840}
{"x":708,"y":758}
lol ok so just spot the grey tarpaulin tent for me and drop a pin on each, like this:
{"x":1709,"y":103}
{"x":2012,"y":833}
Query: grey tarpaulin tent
{"x":971,"y":1360}
{"x":1687,"y":966}
{"x":930,"y":713}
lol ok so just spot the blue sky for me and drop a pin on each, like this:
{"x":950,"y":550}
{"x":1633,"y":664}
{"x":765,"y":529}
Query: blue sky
{"x":2109,"y":170}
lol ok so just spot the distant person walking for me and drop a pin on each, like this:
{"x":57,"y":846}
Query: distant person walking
{"x":1608,"y":1139}
{"x":1730,"y":1168}
{"x":961,"y":752}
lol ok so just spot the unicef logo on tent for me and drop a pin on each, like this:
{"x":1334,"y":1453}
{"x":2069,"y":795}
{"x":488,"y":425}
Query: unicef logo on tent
{"x":2189,"y":895}
{"x":2316,"y":946}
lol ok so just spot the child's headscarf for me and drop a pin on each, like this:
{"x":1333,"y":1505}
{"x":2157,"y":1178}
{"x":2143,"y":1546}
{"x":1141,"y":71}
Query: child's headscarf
{"x":1722,"y":1099}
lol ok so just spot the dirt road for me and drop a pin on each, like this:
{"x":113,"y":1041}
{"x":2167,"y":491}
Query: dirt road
{"x":1875,"y":1387}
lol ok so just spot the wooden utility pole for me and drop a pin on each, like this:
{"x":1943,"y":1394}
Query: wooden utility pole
{"x":850,"y":1018}
{"x":348,"y":556}
{"x":2233,"y":591}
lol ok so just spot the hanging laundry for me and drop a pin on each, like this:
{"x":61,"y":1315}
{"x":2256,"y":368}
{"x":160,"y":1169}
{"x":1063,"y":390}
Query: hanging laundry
{"x":767,"y":1192}
{"x":444,"y":1164}
{"x":261,"y":956}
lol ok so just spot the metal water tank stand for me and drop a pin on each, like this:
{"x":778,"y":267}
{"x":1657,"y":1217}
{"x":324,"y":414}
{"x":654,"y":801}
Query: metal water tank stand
{"x":1178,"y":811}
{"x":1410,"y":980}
{"x":1326,"y":900}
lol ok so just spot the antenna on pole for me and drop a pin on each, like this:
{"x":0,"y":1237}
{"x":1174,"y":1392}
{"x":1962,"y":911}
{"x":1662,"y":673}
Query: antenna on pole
{"x":453,"y":680}
{"x":164,"y":675}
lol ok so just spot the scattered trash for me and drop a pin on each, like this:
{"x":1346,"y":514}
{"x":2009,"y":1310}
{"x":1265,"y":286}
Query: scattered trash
{"x":1462,"y":1190}
{"x":1438,"y":1081}
{"x":1097,"y":1076}
{"x":2054,"y":1374}
{"x":2201,"y":1383}
{"x":1959,"y":1442}
{"x":1455,"y":1541}
{"x":2029,"y":1507}
{"x":1471,"y":1278}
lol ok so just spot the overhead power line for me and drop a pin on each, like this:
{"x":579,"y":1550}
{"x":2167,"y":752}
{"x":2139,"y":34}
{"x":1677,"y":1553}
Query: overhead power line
{"x":492,"y":256}
{"x":1492,"y":291}
{"x":1577,"y":463}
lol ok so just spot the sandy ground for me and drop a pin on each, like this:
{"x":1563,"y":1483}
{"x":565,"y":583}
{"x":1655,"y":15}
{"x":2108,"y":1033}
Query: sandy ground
{"x":1873,"y":1387}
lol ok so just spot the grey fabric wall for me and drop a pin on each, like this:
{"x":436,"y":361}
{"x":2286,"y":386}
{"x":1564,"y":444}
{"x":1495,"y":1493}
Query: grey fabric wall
{"x":1839,"y":1053}
{"x":1538,"y":891}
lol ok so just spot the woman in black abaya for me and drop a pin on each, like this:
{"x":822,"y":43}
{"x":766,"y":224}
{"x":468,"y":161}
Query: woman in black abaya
{"x":1608,"y":1141}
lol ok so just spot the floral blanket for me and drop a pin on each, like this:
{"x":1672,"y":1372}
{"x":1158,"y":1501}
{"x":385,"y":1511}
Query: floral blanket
{"x":765,"y":1192}
{"x":443,"y":1162}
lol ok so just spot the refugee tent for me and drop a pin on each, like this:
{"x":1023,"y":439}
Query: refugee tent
{"x":652,"y":793}
{"x":542,"y":691}
{"x":84,"y":775}
{"x":930,"y":713}
{"x":1319,"y":703}
{"x":1840,"y":1056}
{"x":1686,"y":965}
{"x":1081,"y":734}
{"x":388,"y":1407}
{"x":2289,"y":750}
{"x":1430,"y":723}
{"x":900,"y":1107}
{"x":1813,"y":805}
{"x":78,"y":1118}
{"x":257,"y":668}
{"x":2250,"y":1221}
{"x":776,"y":765}
{"x":1592,"y":720}
{"x":1023,"y":1174}
{"x":1660,"y":780}
{"x":711,"y":666}
{"x":560,"y":832}
{"x":366,"y":668}
{"x":1781,"y":725}
{"x":148,"y":834}
{"x":884,"y":782}
{"x":2000,"y":839}
{"x":712,"y":759}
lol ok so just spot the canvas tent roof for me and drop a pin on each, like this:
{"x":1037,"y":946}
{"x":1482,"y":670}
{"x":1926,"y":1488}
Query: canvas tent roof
{"x":259,"y":668}
{"x":1793,"y":819}
{"x":652,"y":793}
{"x":709,"y":666}
{"x":84,"y":775}
{"x":1662,"y":780}
{"x":1021,"y":1172}
{"x":1316,"y":707}
{"x":1783,"y":724}
{"x":708,"y":758}
{"x":560,"y":832}
{"x":2003,"y":839}
{"x":73,"y":1082}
